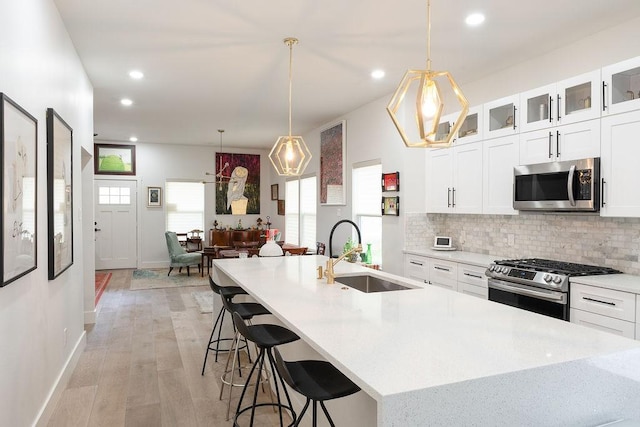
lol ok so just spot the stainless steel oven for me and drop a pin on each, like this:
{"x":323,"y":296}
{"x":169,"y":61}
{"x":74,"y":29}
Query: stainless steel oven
{"x":538,"y":285}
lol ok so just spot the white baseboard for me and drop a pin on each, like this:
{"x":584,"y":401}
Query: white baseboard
{"x":61,"y":382}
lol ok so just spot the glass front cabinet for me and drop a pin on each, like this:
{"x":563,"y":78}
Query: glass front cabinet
{"x":501,"y":117}
{"x":621,"y":87}
{"x":471,"y":129}
{"x":569,"y":101}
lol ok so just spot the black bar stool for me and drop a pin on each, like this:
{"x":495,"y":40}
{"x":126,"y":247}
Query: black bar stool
{"x":316,"y":380}
{"x":265,"y":337}
{"x":227,"y":292}
{"x":246,"y":311}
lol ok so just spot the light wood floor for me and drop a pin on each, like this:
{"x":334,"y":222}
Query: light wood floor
{"x":142,"y":364}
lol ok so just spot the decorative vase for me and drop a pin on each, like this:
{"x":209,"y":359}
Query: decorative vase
{"x":369,"y":256}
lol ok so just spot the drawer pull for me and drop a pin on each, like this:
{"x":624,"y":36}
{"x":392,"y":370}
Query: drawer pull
{"x":441,"y":268}
{"x":473,"y":275}
{"x":416,"y":263}
{"x":598,"y":301}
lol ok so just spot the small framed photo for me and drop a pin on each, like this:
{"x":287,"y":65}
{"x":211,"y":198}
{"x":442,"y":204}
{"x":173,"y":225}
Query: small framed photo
{"x":154,"y":197}
{"x":274,"y":192}
{"x":391,"y":206}
{"x":114,"y":159}
{"x":280,"y":207}
{"x":391,"y":181}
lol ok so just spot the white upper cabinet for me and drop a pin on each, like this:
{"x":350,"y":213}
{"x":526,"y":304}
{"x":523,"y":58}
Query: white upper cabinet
{"x":569,"y":101}
{"x":454,"y":179}
{"x":621,"y":87}
{"x":500,"y":155}
{"x":471,"y":129}
{"x":620,"y":195}
{"x":570,"y":142}
{"x":501,"y":117}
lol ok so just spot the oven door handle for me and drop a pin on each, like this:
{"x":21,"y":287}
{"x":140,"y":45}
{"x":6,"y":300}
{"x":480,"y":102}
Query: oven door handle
{"x":557,"y":297}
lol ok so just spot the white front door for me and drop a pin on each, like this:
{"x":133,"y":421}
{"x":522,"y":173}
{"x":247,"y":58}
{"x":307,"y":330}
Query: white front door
{"x":115,"y":224}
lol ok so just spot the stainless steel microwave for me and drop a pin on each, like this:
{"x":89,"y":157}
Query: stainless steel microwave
{"x":569,"y":186}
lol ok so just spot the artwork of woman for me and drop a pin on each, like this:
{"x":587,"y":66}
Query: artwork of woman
{"x":236,"y":200}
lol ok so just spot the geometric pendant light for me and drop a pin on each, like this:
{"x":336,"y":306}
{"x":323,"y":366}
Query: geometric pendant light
{"x":428,"y":105}
{"x":290,"y":155}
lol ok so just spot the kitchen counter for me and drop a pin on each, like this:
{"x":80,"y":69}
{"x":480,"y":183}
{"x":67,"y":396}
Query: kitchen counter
{"x":480,"y":260}
{"x":432,"y":354}
{"x":618,"y":282}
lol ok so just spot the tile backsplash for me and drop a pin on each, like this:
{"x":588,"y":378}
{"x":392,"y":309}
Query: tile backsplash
{"x":586,"y":239}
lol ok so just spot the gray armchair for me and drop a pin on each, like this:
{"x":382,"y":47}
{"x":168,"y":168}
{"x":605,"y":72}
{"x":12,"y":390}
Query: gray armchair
{"x":179,"y":256}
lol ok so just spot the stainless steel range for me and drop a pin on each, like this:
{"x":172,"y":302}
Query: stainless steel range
{"x":538,"y":285}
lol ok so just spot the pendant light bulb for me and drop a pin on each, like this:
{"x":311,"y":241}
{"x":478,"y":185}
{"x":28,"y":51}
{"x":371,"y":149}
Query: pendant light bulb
{"x":430,"y":100}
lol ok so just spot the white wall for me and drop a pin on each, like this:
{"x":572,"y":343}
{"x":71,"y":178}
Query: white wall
{"x":39,"y":68}
{"x":157,"y":163}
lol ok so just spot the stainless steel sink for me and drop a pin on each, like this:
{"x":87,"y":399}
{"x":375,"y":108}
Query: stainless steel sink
{"x":368,"y":284}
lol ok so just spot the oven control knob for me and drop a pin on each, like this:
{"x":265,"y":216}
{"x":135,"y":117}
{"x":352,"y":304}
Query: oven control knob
{"x":547,"y":278}
{"x":492,"y":267}
{"x":557,"y":280}
{"x":504,"y":270}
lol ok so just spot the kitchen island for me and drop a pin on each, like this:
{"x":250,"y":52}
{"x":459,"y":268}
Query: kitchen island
{"x":430,"y":356}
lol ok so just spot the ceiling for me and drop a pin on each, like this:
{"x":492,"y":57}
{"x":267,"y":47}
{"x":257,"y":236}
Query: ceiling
{"x":222,"y":64}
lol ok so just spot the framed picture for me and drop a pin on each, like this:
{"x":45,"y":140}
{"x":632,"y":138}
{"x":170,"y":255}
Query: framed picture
{"x":59,"y":193}
{"x":154,"y":197}
{"x":391,"y":206}
{"x":239,"y":193}
{"x":274,"y":192}
{"x":280,"y":207}
{"x":391,"y":181}
{"x":114,"y":159}
{"x":19,"y":134}
{"x":333,"y":164}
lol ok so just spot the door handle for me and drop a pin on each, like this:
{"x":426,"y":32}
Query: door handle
{"x":97,"y":229}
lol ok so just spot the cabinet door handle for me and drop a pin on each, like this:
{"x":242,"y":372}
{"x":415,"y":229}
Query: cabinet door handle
{"x":550,"y":136}
{"x":416,"y":263}
{"x":475,"y":276}
{"x":448,"y":197}
{"x":514,"y":117}
{"x":453,"y":198}
{"x":604,"y":96}
{"x":557,"y":144}
{"x":602,"y":193}
{"x":558,"y":107}
{"x":441,"y":268}
{"x":613,"y":304}
{"x":549,"y":109}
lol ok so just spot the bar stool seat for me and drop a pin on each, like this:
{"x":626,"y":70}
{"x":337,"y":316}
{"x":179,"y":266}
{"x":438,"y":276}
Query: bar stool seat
{"x":227,"y":293}
{"x":265,"y":337}
{"x":316,"y":380}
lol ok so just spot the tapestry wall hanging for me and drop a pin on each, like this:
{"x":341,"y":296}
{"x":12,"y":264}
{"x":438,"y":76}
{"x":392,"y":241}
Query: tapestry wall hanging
{"x":332,"y":164}
{"x":239,"y":193}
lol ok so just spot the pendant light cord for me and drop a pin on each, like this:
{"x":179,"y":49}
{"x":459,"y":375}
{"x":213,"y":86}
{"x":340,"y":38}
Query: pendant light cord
{"x":290,"y":42}
{"x":428,"y":35}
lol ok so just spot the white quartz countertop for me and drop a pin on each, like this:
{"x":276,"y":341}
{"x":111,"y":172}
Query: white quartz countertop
{"x":397,"y":342}
{"x":480,"y":260}
{"x":618,"y":282}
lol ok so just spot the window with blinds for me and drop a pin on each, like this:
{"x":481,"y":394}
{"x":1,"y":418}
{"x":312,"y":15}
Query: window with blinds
{"x":300,"y":211}
{"x":185,"y":206}
{"x":367,"y":196}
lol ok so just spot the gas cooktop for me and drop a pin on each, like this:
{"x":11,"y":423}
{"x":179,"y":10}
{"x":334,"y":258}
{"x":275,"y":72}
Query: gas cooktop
{"x":557,"y":267}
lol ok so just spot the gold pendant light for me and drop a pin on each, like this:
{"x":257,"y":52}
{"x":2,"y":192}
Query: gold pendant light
{"x":429,"y":103}
{"x":290,"y":155}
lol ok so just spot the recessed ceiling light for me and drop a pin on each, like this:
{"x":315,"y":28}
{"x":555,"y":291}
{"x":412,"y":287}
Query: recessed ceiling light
{"x":474,"y":19}
{"x":133,"y":139}
{"x":126,"y":102}
{"x":136,"y":74}
{"x":377,"y":74}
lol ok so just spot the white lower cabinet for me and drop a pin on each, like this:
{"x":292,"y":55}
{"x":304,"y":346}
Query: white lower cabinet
{"x":472,"y":280}
{"x":465,"y":278}
{"x":605,"y":309}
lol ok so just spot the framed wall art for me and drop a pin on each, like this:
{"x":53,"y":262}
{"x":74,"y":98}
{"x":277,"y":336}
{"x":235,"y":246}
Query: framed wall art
{"x":391,"y":206}
{"x":281,"y":207}
{"x":333,"y":164}
{"x":239,"y":193}
{"x":274,"y":192}
{"x":59,"y":193}
{"x":391,"y":181}
{"x":114,"y":159}
{"x":19,"y":134}
{"x":154,"y":197}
